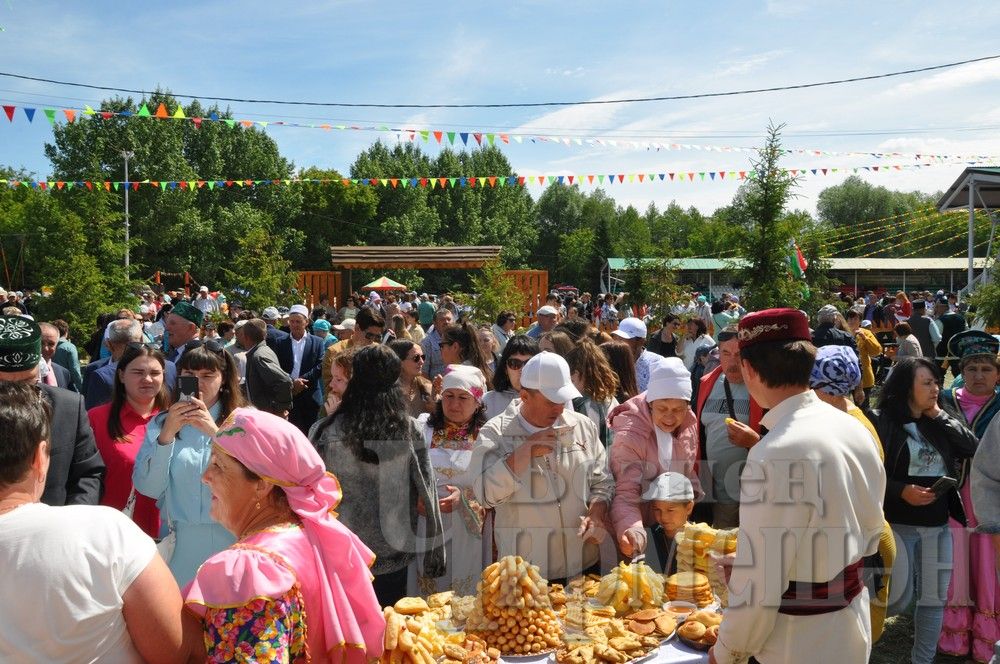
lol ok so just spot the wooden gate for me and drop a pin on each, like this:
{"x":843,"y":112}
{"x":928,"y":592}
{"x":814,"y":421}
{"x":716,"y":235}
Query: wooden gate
{"x":535,"y":286}
{"x":312,"y":284}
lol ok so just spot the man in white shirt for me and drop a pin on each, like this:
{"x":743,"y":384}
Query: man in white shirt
{"x":300,"y":355}
{"x":810,"y":511}
{"x":205,"y":303}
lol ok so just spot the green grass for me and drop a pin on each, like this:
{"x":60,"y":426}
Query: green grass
{"x":894,"y":646}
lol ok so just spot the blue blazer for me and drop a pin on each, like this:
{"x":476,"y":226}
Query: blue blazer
{"x":97,"y":390}
{"x":312,"y":361}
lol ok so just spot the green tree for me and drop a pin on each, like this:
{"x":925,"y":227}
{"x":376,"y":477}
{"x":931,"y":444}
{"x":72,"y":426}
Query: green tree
{"x":260,"y":275}
{"x":985,"y":299}
{"x":759,"y":207}
{"x":575,"y":254}
{"x":495,"y":292}
{"x":172,"y":229}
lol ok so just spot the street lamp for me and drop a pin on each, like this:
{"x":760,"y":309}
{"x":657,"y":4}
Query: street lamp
{"x":127,"y":154}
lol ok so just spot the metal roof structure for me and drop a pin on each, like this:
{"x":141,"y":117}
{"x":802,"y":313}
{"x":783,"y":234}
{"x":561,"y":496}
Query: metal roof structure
{"x":360,"y":258}
{"x":986,"y":190}
{"x":723,"y":264}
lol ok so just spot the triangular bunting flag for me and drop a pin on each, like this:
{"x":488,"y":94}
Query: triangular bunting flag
{"x":163,"y":186}
{"x":671,"y":176}
{"x":393,"y":182}
{"x":423,"y":183}
{"x":451,"y":137}
{"x":197,"y":122}
{"x":30,"y":114}
{"x":87,"y":110}
{"x":179,"y":113}
{"x":89,"y":185}
{"x":479,"y":138}
{"x":443,"y":182}
{"x":230,"y":122}
{"x":60,"y":184}
{"x":437,"y":136}
{"x":9,"y":110}
{"x":590,"y":179}
{"x":116,"y":185}
{"x":621,"y":177}
{"x":489,"y":138}
{"x":70,"y":114}
{"x":492,"y":180}
{"x":211,"y":185}
{"x":464,"y":136}
{"x":600,"y":178}
{"x":69,"y":185}
{"x":570,"y":178}
{"x":143,"y":112}
{"x":50,"y":113}
{"x":425,"y":134}
{"x":505,"y":138}
{"x":161,"y":111}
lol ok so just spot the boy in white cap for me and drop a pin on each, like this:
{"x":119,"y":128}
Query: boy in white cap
{"x":543,"y":469}
{"x":670,"y":499}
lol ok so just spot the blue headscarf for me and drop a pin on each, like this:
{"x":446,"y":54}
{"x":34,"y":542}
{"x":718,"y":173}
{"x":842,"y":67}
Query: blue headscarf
{"x":836,"y":371}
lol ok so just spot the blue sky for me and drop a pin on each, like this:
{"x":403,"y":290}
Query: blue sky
{"x":393,"y":52}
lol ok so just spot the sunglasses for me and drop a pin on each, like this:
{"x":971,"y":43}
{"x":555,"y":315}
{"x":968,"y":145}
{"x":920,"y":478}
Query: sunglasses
{"x":417,"y":358}
{"x":514,"y":364}
{"x":210,"y":344}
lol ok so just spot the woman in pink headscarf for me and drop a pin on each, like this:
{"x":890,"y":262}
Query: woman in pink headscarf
{"x":296,"y":586}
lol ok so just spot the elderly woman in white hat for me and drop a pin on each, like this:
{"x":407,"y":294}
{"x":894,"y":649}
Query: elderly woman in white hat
{"x":655,"y":432}
{"x":450,"y":433}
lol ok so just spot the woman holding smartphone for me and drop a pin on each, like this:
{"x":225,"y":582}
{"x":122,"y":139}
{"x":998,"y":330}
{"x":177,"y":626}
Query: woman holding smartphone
{"x":923,"y":443}
{"x":176,"y":450}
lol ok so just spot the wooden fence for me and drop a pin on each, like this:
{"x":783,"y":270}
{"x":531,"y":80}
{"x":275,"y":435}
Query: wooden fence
{"x":535,"y":286}
{"x":312,"y":284}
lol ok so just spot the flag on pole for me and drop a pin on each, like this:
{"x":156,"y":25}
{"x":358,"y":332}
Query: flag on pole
{"x":798,"y":264}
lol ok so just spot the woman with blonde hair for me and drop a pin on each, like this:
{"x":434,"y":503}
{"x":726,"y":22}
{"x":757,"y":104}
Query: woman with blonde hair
{"x":592,"y":374}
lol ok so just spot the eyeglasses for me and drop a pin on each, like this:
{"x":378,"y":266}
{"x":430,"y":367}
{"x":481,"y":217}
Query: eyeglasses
{"x":514,"y":364}
{"x":417,"y":358}
{"x":210,"y":344}
{"x":373,"y":336}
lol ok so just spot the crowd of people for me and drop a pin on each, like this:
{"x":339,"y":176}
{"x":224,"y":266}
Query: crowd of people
{"x":269,"y":481}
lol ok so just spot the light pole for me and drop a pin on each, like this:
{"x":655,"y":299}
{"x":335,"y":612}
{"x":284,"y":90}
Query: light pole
{"x":127,"y":154}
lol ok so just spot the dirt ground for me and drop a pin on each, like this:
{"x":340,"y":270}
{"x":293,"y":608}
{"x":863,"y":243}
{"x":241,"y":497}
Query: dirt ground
{"x":894,"y":646}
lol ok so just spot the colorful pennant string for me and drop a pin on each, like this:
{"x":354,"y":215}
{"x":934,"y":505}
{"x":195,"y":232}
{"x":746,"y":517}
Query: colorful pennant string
{"x":491,"y":181}
{"x":461,"y":138}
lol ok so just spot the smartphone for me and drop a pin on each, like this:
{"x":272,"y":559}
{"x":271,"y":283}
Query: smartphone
{"x":943,"y":485}
{"x":188,"y":387}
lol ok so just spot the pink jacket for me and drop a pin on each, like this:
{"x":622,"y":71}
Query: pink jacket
{"x":635,"y":462}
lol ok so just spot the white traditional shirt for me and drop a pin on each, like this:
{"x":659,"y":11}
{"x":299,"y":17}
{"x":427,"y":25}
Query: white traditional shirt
{"x":810,"y":505}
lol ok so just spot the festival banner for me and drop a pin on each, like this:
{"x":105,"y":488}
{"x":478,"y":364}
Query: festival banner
{"x":451,"y":138}
{"x":452,"y":182}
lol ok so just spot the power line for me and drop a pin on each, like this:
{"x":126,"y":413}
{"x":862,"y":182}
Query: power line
{"x":589,"y":102}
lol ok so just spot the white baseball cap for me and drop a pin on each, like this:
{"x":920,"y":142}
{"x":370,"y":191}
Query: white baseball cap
{"x":270,"y":313}
{"x":547,"y":311}
{"x":346,"y":324}
{"x":549,"y":374}
{"x":631,"y":328}
{"x":671,"y":488}
{"x":203,"y":289}
{"x":299,"y":309}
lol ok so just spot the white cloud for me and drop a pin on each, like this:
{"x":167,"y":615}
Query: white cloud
{"x":569,"y":72}
{"x":949,"y":79}
{"x":740,"y":66}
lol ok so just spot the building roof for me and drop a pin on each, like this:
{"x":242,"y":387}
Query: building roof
{"x":412,"y":257}
{"x":987,"y":184}
{"x":723,"y":264}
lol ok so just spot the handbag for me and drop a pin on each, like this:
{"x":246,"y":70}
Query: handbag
{"x":129,"y":509}
{"x":167,"y":545}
